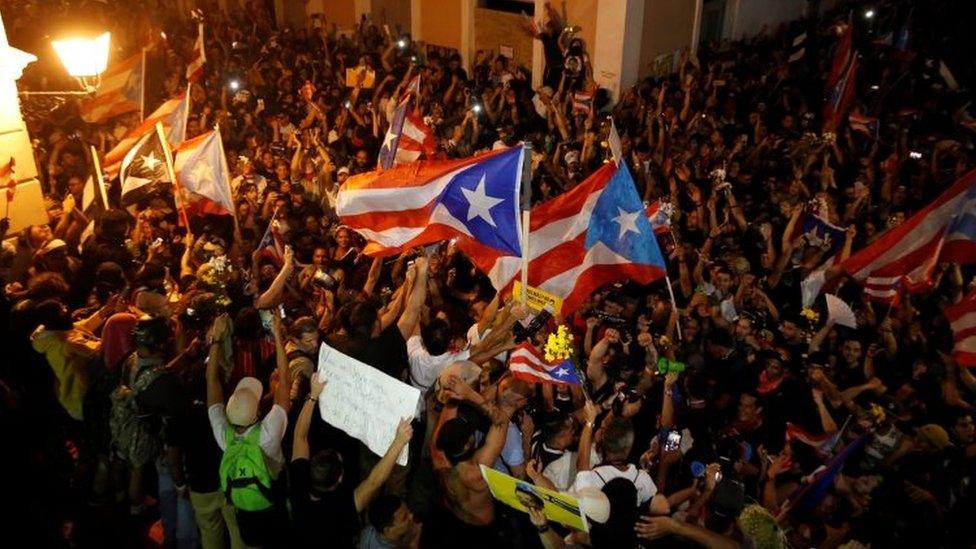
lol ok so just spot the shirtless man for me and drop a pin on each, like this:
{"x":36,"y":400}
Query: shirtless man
{"x":469,"y":510}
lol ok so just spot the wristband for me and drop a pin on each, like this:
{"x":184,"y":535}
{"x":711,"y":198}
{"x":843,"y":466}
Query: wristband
{"x":314,"y":399}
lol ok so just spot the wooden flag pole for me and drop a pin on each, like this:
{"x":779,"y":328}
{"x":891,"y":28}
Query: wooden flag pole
{"x":172,"y":173}
{"x":674,"y":304}
{"x":526,"y":198}
{"x":225,"y":174}
{"x":100,"y":179}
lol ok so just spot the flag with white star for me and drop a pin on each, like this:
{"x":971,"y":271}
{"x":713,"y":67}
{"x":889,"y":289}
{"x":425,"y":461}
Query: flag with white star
{"x":202,"y":176}
{"x":388,"y":149}
{"x":143,"y":173}
{"x":475,"y":199}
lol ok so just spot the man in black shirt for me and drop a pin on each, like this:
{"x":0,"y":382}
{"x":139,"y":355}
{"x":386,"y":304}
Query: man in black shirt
{"x":325,"y":512}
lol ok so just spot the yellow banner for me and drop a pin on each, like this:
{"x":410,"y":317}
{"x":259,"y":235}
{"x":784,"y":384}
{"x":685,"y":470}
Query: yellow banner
{"x":538,"y":299}
{"x":557,"y":507}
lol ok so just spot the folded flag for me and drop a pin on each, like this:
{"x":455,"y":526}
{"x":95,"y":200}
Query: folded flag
{"x":411,"y":205}
{"x":172,"y":113}
{"x":904,"y":257}
{"x":595,"y":234}
{"x":526,"y":363}
{"x":144,"y":172}
{"x":204,"y":181}
{"x":962,"y":319}
{"x":659,"y":214}
{"x":120,"y":91}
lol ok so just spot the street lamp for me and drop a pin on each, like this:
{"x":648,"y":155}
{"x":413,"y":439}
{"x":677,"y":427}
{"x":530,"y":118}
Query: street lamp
{"x":85,"y":59}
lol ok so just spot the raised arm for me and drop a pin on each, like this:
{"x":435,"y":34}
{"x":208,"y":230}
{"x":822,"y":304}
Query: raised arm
{"x":282,"y":391}
{"x":299,"y":446}
{"x":415,"y":302}
{"x":367,"y":489}
{"x":272,"y":295}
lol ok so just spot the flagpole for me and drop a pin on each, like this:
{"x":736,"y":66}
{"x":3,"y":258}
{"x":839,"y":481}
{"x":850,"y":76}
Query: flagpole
{"x":226,"y":175}
{"x":677,"y":324}
{"x":100,"y":179}
{"x":526,"y":199}
{"x":172,"y":174}
{"x":142,"y":96}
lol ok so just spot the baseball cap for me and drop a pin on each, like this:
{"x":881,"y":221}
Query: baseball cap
{"x":593,"y":502}
{"x":343,"y":170}
{"x":242,"y":406}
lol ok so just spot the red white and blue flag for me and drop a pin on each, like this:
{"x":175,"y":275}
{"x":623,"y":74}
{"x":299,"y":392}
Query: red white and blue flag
{"x":595,"y":234}
{"x":841,"y":95}
{"x":659,"y":214}
{"x":962,"y":319}
{"x":173,"y":113}
{"x":203,"y":180}
{"x":903,"y":258}
{"x":406,"y":139}
{"x":272,"y":245}
{"x":194,"y":69}
{"x":526,"y":363}
{"x":414,"y":204}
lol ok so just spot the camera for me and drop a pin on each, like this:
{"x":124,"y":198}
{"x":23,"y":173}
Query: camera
{"x":527,"y":332}
{"x":671,"y":441}
{"x":612,"y":320}
{"x":915,"y":155}
{"x":402,"y":43}
{"x":476,"y":108}
{"x":324,"y":280}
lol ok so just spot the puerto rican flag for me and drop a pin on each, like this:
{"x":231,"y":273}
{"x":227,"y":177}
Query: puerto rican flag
{"x":172,"y":113}
{"x":595,"y":234}
{"x":904,"y":257}
{"x":272,"y":244}
{"x":406,"y":139}
{"x":527,"y":364}
{"x":410,"y":205}
{"x":659,"y":214}
{"x":822,"y":443}
{"x":962,"y":319}
{"x":120,"y":91}
{"x":203,"y":181}
{"x":194,"y":69}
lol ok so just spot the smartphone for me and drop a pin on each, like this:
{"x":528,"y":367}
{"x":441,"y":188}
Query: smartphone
{"x":281,"y":310}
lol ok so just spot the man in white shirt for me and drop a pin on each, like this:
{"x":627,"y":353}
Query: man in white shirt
{"x":238,"y":420}
{"x":618,"y":438}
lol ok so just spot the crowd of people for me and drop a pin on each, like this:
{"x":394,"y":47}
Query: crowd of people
{"x":157,"y":370}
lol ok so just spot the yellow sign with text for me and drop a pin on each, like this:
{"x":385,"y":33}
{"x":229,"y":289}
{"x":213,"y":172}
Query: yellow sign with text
{"x":520,"y":495}
{"x":538,"y":299}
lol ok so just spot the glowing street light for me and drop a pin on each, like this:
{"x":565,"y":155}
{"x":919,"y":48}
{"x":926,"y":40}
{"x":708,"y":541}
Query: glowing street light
{"x":84,"y":58}
{"x":869,"y":14}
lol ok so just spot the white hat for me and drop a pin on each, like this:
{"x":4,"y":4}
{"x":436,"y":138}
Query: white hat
{"x":242,"y":406}
{"x":343,"y":170}
{"x":594,"y":503}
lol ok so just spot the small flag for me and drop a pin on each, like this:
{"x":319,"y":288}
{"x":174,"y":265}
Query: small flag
{"x":659,"y":214}
{"x":144,"y":172}
{"x":863,"y":124}
{"x":204,"y":181}
{"x":272,"y":245}
{"x":527,"y":364}
{"x":962,"y":320}
{"x":613,"y":142}
{"x":120,"y":92}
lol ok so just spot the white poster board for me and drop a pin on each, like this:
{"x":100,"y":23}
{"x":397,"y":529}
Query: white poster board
{"x":363,"y":401}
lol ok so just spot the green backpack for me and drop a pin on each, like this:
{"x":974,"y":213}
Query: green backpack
{"x":244,"y":475}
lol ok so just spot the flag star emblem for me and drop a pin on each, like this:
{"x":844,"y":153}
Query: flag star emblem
{"x":626,"y":221}
{"x":150,"y":160}
{"x":202,"y":172}
{"x":561,"y":372}
{"x":388,"y":140}
{"x":479,"y":203}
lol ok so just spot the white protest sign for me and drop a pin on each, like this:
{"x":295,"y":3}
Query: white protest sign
{"x":840,"y":312}
{"x":363,"y":401}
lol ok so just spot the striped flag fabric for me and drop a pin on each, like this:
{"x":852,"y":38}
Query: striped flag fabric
{"x":904,"y":257}
{"x":526,"y":363}
{"x":202,"y":176}
{"x":194,"y":69}
{"x":406,"y":139}
{"x":962,"y":319}
{"x":808,"y":495}
{"x":583,"y":102}
{"x":595,"y":234}
{"x":822,"y":443}
{"x":841,"y":95}
{"x":659,"y":214}
{"x":410,"y":205}
{"x":172,"y":113}
{"x":272,"y":245}
{"x":120,"y":92}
